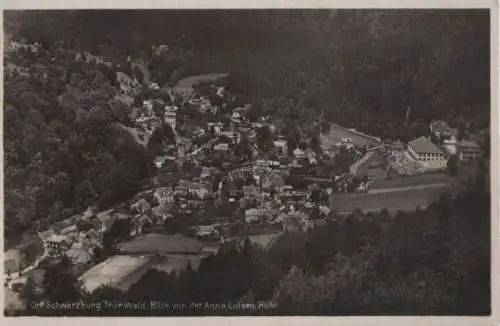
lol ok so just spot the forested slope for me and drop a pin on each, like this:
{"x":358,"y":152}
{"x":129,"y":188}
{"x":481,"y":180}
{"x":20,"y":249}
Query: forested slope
{"x":362,"y":68}
{"x":63,"y":150}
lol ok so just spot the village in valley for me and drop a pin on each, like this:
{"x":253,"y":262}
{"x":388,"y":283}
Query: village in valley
{"x":225,"y":170}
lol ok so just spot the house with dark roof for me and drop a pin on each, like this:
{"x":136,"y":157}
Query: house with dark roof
{"x":426,"y":152}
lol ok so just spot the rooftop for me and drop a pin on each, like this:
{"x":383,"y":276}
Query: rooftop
{"x":280,"y":142}
{"x":162,"y":243}
{"x":57,"y":238}
{"x":112,"y":271}
{"x":424,"y":145}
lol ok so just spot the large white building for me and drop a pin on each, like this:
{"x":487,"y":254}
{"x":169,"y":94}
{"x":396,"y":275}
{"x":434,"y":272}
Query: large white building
{"x":427,"y":153}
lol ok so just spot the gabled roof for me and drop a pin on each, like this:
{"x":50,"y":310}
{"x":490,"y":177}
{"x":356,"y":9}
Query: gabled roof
{"x":424,"y":145}
{"x":221,"y":147}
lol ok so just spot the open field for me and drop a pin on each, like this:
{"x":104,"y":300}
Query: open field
{"x":336,"y":132}
{"x":394,"y":200}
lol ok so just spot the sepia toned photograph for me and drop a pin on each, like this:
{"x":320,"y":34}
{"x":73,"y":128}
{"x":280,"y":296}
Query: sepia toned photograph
{"x":298,"y":162}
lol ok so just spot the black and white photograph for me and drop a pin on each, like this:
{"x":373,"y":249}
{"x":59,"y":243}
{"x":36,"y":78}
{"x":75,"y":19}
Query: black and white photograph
{"x":247,"y":162}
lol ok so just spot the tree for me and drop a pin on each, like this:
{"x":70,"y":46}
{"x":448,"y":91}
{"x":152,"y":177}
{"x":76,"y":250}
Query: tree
{"x":316,"y":195}
{"x":255,"y":112}
{"x":60,"y":284}
{"x":84,"y":195}
{"x":264,"y":138}
{"x":325,"y":127}
{"x":175,"y":224}
{"x":315,"y":144}
{"x":32,"y":251}
{"x":452,"y":164}
{"x":161,"y":136}
{"x":120,"y":110}
{"x":461,"y":132}
{"x":138,"y":74}
{"x":28,"y":293}
{"x":119,"y":231}
{"x":158,"y":109}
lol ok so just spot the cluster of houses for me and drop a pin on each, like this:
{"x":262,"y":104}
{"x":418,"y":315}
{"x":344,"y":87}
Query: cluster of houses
{"x":16,"y":46}
{"x":423,"y":154}
{"x":147,"y":120}
{"x":78,"y":237}
{"x":435,"y":156}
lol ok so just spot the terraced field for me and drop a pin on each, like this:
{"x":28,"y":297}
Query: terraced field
{"x":337,"y":132}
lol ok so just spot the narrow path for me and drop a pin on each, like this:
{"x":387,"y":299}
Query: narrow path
{"x":416,"y":187}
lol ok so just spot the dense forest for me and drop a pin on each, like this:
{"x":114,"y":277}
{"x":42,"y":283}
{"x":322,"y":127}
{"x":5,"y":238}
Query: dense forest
{"x":64,"y":150}
{"x":364,"y":68}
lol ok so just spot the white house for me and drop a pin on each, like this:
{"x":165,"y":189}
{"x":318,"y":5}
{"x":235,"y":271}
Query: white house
{"x":217,"y":126}
{"x":164,"y":195}
{"x":427,"y":153}
{"x":450,"y":145}
{"x":281,"y":145}
{"x":298,"y":153}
